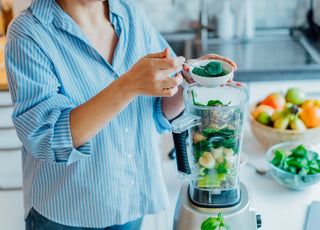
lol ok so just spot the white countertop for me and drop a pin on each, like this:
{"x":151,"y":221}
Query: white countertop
{"x":280,"y":208}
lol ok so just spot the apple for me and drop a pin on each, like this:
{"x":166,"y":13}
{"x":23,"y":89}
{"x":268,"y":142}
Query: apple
{"x":275,"y":100}
{"x":295,"y":96}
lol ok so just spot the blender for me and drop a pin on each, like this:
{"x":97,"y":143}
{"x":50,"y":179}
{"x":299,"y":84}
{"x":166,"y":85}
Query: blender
{"x":207,"y":140}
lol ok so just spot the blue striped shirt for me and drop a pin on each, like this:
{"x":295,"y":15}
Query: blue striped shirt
{"x":52,"y":67}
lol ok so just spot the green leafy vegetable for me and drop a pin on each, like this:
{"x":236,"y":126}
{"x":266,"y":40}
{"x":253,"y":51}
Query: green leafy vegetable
{"x":299,"y":161}
{"x":212,"y":69}
{"x":210,"y":103}
{"x":213,"y":223}
{"x":213,"y":102}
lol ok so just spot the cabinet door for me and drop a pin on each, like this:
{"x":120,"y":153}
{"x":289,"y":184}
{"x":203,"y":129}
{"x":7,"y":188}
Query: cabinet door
{"x":5,"y":99}
{"x":11,"y":210}
{"x":10,"y":169}
{"x":5,"y":116}
{"x":9,"y":139}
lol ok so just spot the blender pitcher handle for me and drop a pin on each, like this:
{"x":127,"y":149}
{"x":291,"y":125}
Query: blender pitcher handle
{"x":180,"y":145}
{"x":179,"y":133}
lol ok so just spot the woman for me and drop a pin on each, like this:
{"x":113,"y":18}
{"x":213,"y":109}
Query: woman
{"x":90,"y":83}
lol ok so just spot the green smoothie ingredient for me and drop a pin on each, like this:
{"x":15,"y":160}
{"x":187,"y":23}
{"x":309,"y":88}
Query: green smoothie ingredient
{"x":213,"y":223}
{"x":211,"y":103}
{"x":299,"y":161}
{"x":214,"y":69}
{"x":215,"y":153}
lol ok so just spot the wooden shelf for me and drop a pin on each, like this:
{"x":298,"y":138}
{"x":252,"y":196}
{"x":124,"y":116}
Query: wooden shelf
{"x":3,"y":77}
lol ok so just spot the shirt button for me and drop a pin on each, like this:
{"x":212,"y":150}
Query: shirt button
{"x":126,"y":130}
{"x":114,"y":74}
{"x":132,"y":182}
{"x":129,"y":155}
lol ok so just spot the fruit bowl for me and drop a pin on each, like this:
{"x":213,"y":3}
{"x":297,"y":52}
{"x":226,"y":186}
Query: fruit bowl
{"x":269,"y":136}
{"x":212,"y":81}
{"x":288,"y":179}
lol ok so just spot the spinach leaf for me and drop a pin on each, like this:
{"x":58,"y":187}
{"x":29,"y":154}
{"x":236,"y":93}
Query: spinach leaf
{"x":213,"y":102}
{"x":300,"y":151}
{"x":300,"y":161}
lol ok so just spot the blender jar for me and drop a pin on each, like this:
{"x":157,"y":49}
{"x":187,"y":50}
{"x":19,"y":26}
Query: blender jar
{"x":212,"y":125}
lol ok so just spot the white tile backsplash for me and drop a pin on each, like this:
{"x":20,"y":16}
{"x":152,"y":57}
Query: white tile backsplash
{"x":268,"y":13}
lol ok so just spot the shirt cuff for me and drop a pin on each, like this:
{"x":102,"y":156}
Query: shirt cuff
{"x":162,"y":123}
{"x":62,"y":143}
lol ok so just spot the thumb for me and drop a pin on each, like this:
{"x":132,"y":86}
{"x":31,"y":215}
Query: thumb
{"x":163,"y":54}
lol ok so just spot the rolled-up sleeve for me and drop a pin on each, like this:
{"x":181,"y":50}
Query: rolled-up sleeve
{"x":42,"y":111}
{"x":162,"y":123}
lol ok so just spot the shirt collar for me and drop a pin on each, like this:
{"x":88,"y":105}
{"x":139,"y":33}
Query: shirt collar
{"x":45,"y":10}
{"x":116,"y":7}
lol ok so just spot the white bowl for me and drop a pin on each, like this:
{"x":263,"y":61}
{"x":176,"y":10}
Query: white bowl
{"x":212,"y":81}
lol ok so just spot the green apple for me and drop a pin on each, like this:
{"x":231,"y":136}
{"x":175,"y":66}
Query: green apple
{"x":295,"y":96}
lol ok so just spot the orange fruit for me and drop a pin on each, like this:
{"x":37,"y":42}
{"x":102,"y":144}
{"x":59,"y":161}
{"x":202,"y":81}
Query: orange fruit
{"x":310,"y":102}
{"x":311,"y":116}
{"x":262,"y":108}
{"x":275,"y":100}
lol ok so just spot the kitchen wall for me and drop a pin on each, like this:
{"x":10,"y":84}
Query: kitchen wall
{"x":267,"y":13}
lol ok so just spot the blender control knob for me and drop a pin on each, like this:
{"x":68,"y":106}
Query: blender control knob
{"x":259,"y":221}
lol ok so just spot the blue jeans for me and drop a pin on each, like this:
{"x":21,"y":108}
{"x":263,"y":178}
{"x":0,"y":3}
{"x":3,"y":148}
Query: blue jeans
{"x":35,"y":221}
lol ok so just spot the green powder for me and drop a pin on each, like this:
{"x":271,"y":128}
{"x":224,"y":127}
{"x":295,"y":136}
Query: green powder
{"x":214,"y":69}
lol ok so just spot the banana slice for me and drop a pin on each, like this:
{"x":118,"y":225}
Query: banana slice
{"x":217,"y":153}
{"x":207,"y":160}
{"x":231,"y":160}
{"x":228,"y":152}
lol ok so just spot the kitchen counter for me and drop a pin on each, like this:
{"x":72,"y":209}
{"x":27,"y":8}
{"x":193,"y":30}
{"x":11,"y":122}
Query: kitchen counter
{"x":280,"y":208}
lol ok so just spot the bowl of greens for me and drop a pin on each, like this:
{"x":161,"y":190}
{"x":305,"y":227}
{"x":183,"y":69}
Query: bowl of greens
{"x":294,"y":165}
{"x":212,"y":72}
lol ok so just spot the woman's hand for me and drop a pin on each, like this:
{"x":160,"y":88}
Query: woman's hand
{"x":187,"y":75}
{"x":151,"y":75}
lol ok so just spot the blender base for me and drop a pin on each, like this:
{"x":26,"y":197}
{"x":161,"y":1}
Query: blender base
{"x":239,"y":217}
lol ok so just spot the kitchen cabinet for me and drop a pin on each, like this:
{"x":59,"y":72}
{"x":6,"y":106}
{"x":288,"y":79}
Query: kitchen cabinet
{"x":11,"y":197}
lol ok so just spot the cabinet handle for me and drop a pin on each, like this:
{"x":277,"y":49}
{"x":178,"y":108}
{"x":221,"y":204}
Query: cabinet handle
{"x":10,"y":189}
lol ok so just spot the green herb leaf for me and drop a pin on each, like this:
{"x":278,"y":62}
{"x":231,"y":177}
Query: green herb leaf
{"x":209,"y":224}
{"x":213,"y":102}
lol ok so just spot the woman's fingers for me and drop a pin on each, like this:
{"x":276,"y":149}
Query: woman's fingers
{"x":167,"y":63}
{"x":163,"y":54}
{"x":171,"y":85}
{"x":173,"y":81}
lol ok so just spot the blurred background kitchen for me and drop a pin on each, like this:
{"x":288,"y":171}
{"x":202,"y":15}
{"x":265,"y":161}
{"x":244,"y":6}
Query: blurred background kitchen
{"x":270,"y":40}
